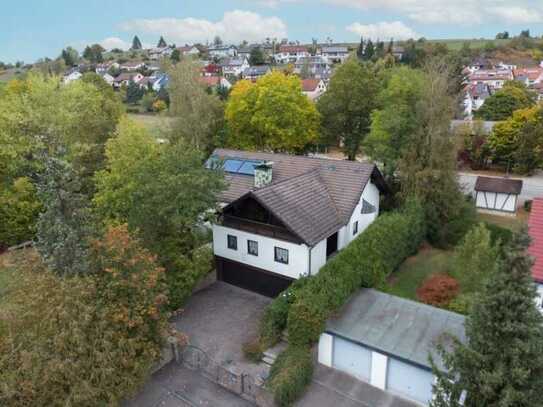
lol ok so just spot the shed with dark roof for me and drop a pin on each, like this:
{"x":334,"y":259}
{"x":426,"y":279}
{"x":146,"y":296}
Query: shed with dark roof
{"x":497,"y":194}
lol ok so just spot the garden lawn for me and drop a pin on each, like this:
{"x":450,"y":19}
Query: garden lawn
{"x":513,"y":223}
{"x":414,"y":270}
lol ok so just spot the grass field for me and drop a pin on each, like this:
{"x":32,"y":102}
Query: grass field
{"x":416,"y":269}
{"x":156,"y":124}
{"x":509,"y":222}
{"x":7,"y":266}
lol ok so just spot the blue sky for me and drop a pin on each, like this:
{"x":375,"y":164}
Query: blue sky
{"x":37,"y":28}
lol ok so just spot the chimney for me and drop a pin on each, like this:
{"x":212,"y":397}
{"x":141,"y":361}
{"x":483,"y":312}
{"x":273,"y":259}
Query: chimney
{"x":263,"y":174}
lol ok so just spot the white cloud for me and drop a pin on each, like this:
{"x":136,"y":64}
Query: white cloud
{"x":114,"y":42}
{"x":383,"y":30}
{"x":465,"y":12}
{"x":235,"y":26}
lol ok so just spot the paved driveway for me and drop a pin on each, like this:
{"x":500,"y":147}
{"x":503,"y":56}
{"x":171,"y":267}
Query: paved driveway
{"x":219,"y":319}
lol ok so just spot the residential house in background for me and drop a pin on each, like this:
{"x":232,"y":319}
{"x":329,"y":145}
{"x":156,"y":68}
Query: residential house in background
{"x":211,"y":69}
{"x":108,"y":78}
{"x":290,"y":53}
{"x":535,"y":229}
{"x":335,"y":54}
{"x":386,"y":341}
{"x":189,"y":50}
{"x":398,"y":52}
{"x":72,"y":75}
{"x":214,"y":82}
{"x":234,"y":66}
{"x":159,"y":53}
{"x":495,"y":78}
{"x":497,"y":195}
{"x":284,"y":216}
{"x":132,"y":66}
{"x":223,"y":51}
{"x":317,"y":66}
{"x":254,"y":72}
{"x":125,"y":77}
{"x":529,"y":76}
{"x":474,"y":97}
{"x":313,"y":88}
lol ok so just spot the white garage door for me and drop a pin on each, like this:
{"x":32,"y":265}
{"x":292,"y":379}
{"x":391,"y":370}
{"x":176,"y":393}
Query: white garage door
{"x":409,"y":381}
{"x":352,"y":358}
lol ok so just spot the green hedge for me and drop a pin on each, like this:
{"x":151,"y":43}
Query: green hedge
{"x":366,"y":262}
{"x":291,"y":374}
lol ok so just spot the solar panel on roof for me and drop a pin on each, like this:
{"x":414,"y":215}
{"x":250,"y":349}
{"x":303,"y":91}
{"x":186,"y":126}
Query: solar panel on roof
{"x":248,"y":167}
{"x":232,"y":165}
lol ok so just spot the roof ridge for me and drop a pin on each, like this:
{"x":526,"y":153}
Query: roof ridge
{"x":254,"y":189}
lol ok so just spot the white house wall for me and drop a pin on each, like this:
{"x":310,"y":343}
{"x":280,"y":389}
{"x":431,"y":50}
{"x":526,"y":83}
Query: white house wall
{"x":318,"y":256}
{"x":539,"y":299}
{"x":298,"y":254}
{"x":371,"y":195}
{"x":496,"y":201}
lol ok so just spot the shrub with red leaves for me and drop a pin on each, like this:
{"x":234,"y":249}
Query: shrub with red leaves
{"x":438,"y":290}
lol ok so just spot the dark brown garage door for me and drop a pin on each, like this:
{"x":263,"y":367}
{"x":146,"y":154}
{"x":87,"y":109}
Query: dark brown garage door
{"x":251,"y":278}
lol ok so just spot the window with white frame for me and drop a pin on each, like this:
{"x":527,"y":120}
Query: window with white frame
{"x":355,"y":228}
{"x":281,"y":255}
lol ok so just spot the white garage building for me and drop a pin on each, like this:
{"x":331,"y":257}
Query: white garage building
{"x":386,"y":341}
{"x":497,"y":195}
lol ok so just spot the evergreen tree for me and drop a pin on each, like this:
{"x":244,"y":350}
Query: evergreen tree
{"x":176,"y":56}
{"x":134,"y":93}
{"x":390,"y":47}
{"x":70,"y":56}
{"x":360,"y":49}
{"x":136,"y":43}
{"x":217,"y":41}
{"x":369,"y":51}
{"x":501,"y":363}
{"x":161,"y":43}
{"x":256,"y":56}
{"x":64,"y":226}
{"x":379,"y":49}
{"x":93,"y":53}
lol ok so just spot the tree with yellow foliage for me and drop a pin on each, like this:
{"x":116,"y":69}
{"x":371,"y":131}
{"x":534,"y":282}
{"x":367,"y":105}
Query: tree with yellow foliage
{"x":271,"y":114}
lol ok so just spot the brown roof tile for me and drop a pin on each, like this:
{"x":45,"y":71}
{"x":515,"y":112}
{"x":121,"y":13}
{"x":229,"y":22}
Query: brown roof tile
{"x":313,"y":196}
{"x":501,"y":185}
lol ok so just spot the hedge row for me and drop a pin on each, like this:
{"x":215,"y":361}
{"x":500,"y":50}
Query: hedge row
{"x":291,"y":374}
{"x":366,"y":262}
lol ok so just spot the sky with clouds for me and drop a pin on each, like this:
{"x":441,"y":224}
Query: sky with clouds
{"x":36,"y":28}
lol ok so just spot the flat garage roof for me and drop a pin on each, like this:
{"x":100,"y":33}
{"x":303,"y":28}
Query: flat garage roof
{"x":395,"y":326}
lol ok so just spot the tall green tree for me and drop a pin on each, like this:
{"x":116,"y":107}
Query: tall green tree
{"x":369,"y":51}
{"x":501,"y":362}
{"x":161,"y":43}
{"x":70,"y":56}
{"x":360,"y":49}
{"x":347,"y":105}
{"x":136,"y":43}
{"x":176,"y":56}
{"x":64,"y":227}
{"x":394,"y":123}
{"x":517,"y":143}
{"x":256,"y":57}
{"x":501,"y":105}
{"x":160,"y":191}
{"x":134,"y":93}
{"x":272,"y":114}
{"x":93,"y":53}
{"x":427,"y":169}
{"x":198,"y":115}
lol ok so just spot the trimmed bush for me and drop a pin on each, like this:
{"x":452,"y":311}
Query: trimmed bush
{"x":366,"y":262}
{"x":290,"y":374}
{"x":274,"y":321}
{"x":499,"y":234}
{"x":438,"y":290}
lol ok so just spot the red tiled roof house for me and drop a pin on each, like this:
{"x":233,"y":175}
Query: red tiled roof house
{"x":535,"y":228}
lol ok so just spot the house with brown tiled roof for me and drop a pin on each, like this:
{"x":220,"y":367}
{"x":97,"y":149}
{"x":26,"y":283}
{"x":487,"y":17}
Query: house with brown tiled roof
{"x":313,"y":88}
{"x":290,"y":53}
{"x":284,"y":216}
{"x":535,"y":229}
